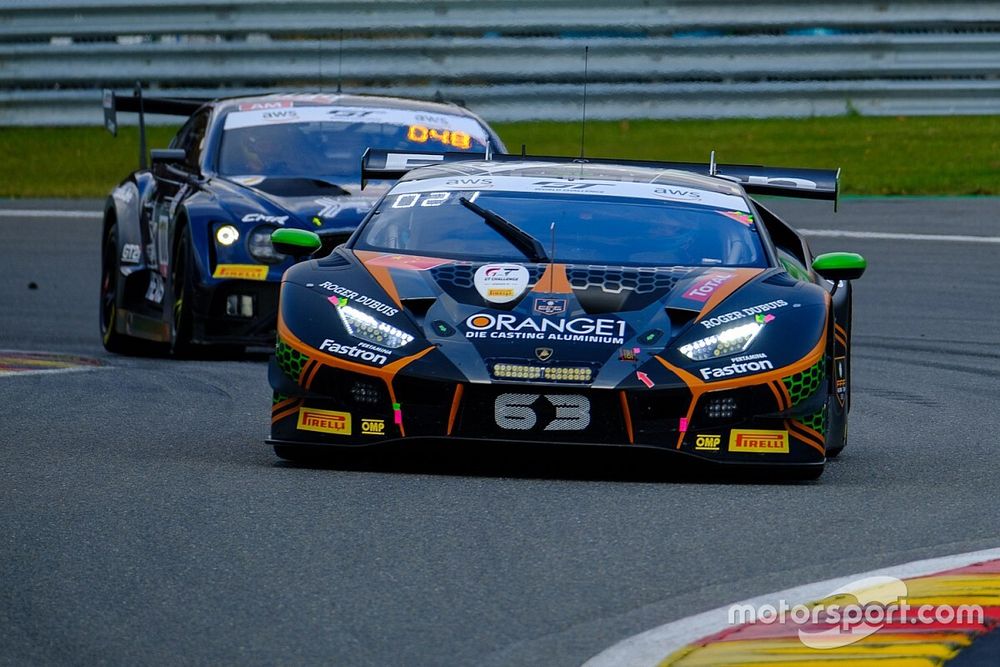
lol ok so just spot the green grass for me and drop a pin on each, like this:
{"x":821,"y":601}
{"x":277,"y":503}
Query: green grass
{"x":924,"y":155}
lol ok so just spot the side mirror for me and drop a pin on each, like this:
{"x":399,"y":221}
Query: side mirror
{"x":837,"y":266}
{"x":298,"y":243}
{"x":171,"y":156}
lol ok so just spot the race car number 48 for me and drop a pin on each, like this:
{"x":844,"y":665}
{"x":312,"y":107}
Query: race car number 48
{"x":516,"y":412}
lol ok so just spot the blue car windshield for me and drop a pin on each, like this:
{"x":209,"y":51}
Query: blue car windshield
{"x":328,"y":151}
{"x":587,"y":230}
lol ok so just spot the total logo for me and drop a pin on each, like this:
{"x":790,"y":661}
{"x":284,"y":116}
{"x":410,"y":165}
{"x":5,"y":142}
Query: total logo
{"x":353,"y":352}
{"x":706,"y":286}
{"x":578,"y":329}
{"x":735,"y":369}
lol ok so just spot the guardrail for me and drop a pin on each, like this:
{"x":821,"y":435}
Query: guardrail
{"x":665,"y":60}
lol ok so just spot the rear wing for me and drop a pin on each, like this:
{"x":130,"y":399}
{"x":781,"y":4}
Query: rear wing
{"x":136,"y":103}
{"x":756,"y":179}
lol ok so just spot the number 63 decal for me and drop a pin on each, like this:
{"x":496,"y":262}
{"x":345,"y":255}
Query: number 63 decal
{"x":517,"y":412}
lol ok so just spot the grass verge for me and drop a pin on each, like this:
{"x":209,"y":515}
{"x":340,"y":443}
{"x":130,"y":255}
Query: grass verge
{"x":919,"y":155}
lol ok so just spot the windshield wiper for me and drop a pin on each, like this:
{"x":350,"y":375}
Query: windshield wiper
{"x":518,"y":238}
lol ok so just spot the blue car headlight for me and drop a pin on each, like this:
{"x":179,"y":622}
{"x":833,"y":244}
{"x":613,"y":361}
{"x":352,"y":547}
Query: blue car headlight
{"x":260,"y":246}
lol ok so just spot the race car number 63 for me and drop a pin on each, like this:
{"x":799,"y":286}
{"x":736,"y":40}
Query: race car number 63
{"x":516,"y":412}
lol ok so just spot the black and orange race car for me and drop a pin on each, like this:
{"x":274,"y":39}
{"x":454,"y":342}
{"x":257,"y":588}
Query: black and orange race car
{"x":557,"y":300}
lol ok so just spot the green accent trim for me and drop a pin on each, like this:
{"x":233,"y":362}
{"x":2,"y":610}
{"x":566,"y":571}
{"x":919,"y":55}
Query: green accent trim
{"x":839,"y":261}
{"x":290,"y":361}
{"x":295,"y":242}
{"x":816,"y":421}
{"x":802,"y":386}
{"x":278,"y":398}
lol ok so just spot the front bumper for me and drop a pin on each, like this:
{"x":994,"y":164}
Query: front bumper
{"x":751,"y":424}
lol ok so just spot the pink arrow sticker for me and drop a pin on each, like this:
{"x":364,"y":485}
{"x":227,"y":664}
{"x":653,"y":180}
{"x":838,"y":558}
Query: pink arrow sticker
{"x":643,"y":378}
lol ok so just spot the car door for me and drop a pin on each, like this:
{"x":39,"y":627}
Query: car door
{"x":171,"y":189}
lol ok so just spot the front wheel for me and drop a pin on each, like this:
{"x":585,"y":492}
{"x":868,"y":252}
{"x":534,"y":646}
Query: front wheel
{"x":181,"y":292}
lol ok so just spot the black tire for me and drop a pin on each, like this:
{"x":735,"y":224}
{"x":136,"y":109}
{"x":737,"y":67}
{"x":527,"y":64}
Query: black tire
{"x":113,"y":340}
{"x":181,"y":296}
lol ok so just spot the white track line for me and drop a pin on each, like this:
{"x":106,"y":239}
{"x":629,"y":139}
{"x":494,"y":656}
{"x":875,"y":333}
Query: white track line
{"x":50,"y":371}
{"x":40,"y":213}
{"x":652,"y":646}
{"x":937,"y":238}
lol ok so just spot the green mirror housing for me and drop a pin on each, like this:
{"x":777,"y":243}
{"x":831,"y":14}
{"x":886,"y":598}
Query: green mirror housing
{"x":837,"y":266}
{"x":295,"y":242}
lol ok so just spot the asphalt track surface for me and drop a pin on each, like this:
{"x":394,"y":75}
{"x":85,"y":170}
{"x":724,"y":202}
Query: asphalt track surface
{"x":142,"y":520}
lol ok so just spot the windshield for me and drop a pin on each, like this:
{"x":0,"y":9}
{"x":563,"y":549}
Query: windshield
{"x":587,"y":230}
{"x":327,"y":142}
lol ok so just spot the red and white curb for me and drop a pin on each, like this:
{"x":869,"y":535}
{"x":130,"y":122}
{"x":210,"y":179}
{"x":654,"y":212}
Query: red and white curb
{"x":653,"y":647}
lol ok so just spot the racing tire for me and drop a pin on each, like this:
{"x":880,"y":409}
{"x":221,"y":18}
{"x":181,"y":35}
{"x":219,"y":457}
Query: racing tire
{"x":181,"y":297}
{"x":113,"y":340}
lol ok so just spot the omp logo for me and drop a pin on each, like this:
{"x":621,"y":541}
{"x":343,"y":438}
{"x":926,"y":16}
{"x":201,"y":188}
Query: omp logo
{"x":353,"y":352}
{"x":761,"y":442}
{"x":324,"y":421}
{"x":372,"y":427}
{"x":708,"y":443}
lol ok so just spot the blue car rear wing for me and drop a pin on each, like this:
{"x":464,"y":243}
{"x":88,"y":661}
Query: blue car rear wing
{"x":136,"y":103}
{"x":756,"y":179}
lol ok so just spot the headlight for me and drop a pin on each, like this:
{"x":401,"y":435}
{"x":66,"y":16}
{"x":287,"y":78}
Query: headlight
{"x":365,"y":327}
{"x":730,"y":341}
{"x":227,"y":235}
{"x":261,"y":248}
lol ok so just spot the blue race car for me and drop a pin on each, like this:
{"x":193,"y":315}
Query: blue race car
{"x":187,"y":258}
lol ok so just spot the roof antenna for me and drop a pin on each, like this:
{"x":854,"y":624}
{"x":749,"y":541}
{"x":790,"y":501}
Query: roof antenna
{"x":319,"y":63}
{"x":489,"y":150}
{"x":583,"y":124}
{"x":340,"y":61}
{"x":713,"y":168}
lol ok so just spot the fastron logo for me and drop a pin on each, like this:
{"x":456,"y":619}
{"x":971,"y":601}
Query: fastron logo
{"x":736,"y":369}
{"x":353,"y":352}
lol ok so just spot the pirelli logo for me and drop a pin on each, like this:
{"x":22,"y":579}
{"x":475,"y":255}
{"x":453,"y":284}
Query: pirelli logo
{"x":324,"y":421}
{"x":760,"y":442}
{"x":241,"y":271}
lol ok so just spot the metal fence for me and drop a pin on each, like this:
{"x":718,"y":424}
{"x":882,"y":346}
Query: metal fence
{"x":512,"y":59}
